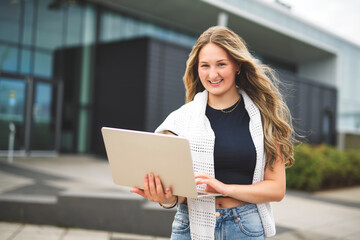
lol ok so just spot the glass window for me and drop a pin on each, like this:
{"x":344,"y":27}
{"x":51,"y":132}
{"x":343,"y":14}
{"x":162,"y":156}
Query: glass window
{"x":28,"y":22}
{"x":9,"y":20}
{"x":49,"y":32}
{"x":106,"y":27}
{"x":25,"y":61}
{"x":74,"y":25}
{"x":43,"y":64}
{"x":130,"y":28}
{"x":8,"y":58}
{"x":114,"y":27}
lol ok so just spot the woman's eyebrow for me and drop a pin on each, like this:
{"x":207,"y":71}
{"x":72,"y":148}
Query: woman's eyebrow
{"x":223,"y":59}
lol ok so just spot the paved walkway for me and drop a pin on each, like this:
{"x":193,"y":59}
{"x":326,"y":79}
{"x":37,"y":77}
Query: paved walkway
{"x":16,"y":231}
{"x":322,"y":215}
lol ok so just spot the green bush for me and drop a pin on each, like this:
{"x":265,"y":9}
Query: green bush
{"x":323,"y":167}
{"x":353,"y":158}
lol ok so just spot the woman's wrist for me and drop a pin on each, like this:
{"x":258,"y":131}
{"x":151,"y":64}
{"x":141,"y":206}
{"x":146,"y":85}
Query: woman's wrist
{"x":181,"y":200}
{"x":227,"y":190}
{"x":170,"y":205}
{"x":170,"y":200}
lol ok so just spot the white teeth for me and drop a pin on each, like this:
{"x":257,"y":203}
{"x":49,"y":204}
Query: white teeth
{"x":216,"y":81}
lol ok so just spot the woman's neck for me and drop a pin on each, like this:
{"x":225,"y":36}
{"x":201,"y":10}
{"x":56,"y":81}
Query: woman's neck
{"x":224,"y":101}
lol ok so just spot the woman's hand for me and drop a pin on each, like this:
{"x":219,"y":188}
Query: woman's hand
{"x":153,"y":190}
{"x":212,"y":185}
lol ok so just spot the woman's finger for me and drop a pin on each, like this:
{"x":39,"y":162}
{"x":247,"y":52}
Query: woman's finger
{"x":168,"y":193}
{"x":138,"y":191}
{"x":152,"y":187}
{"x":146,"y":187}
{"x":198,"y":181}
{"x":213,"y":185}
{"x":199,"y":174}
{"x":159,"y":188}
{"x":202,"y":175}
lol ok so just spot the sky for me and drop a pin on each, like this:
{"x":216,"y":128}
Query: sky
{"x":341,"y":17}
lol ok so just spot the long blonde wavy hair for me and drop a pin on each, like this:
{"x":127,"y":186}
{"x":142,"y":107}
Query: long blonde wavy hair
{"x":258,"y":81}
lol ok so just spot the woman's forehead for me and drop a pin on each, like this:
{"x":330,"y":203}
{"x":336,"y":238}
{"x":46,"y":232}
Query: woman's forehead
{"x":212,"y":52}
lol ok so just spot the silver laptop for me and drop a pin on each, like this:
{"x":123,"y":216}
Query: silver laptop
{"x":133,"y":154}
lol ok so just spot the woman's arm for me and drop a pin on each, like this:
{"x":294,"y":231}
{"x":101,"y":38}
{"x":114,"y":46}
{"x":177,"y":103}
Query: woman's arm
{"x":271,"y":189}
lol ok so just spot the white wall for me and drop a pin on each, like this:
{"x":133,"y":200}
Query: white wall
{"x":322,"y":70}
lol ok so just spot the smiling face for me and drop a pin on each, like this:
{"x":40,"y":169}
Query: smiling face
{"x":217,"y":72}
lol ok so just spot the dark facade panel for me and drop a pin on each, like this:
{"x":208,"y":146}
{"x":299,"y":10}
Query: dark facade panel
{"x":119,"y":88}
{"x":329,"y":111}
{"x":315,"y":113}
{"x":303,"y":120}
{"x":138,"y":83}
{"x":313,"y":108}
{"x":166,"y":91}
{"x":153,"y":96}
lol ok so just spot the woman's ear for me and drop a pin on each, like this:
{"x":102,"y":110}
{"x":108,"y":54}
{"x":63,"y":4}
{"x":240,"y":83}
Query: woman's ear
{"x":239,"y":66}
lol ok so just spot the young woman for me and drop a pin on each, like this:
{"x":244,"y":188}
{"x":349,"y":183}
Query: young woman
{"x":240,"y":133}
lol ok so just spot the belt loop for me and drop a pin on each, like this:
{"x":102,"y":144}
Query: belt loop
{"x":236,"y":218}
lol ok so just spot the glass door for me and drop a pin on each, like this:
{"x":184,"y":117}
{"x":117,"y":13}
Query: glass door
{"x":43,"y":117}
{"x":33,"y":106}
{"x":13,"y":111}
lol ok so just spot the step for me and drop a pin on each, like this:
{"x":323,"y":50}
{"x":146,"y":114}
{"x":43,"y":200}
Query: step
{"x":107,"y":211}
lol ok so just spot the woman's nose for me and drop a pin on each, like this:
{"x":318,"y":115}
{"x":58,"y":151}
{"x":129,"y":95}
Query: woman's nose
{"x":213,"y":73}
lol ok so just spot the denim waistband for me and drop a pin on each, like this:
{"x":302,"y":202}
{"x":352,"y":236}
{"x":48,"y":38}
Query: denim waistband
{"x":183,"y":208}
{"x":225,"y":213}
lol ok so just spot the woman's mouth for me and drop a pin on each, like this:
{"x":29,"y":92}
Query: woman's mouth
{"x":215,"y":83}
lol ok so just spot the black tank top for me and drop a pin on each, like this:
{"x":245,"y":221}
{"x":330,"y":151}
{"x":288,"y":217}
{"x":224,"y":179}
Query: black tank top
{"x":234,"y":151}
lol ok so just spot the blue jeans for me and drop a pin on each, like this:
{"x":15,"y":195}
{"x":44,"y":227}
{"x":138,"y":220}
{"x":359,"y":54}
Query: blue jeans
{"x":242,"y":222}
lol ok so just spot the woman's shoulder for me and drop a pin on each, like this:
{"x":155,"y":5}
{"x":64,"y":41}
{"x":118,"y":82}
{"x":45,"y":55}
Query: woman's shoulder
{"x":179,"y":119}
{"x":191,"y":107}
{"x":184,"y":110}
{"x":176,"y":120}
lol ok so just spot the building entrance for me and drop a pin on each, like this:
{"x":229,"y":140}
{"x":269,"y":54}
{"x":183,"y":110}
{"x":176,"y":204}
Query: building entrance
{"x":33,"y":106}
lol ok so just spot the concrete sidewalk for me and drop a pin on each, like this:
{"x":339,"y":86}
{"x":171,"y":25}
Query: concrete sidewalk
{"x":76,"y":192}
{"x":17,"y":231}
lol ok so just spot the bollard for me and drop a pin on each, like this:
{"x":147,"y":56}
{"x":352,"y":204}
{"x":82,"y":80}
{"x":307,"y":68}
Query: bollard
{"x":11,"y":142}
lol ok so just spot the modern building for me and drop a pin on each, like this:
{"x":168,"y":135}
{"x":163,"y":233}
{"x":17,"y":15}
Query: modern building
{"x":68,"y":67}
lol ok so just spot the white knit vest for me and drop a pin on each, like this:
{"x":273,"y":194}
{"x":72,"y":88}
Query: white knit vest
{"x":190,"y":122}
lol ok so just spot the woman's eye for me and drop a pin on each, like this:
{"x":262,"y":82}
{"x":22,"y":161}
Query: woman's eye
{"x":222,"y":64}
{"x":204,"y":65}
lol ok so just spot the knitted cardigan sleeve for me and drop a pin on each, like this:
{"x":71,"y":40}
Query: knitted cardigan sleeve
{"x":171,"y":123}
{"x":177,"y":121}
